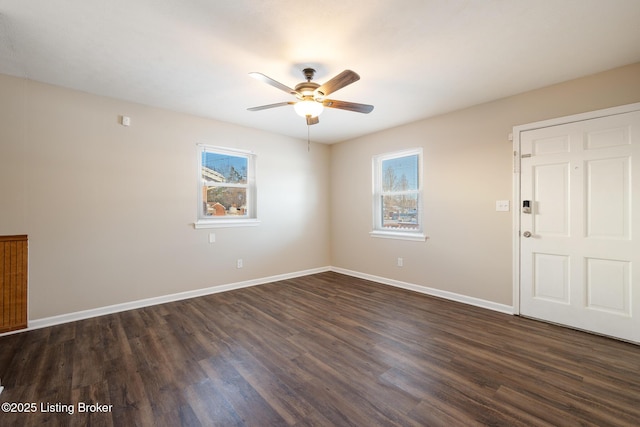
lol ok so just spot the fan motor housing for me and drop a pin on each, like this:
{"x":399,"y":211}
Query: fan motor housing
{"x":307,"y":88}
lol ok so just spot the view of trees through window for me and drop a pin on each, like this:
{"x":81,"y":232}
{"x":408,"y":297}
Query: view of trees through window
{"x":224,"y":184}
{"x":400,"y":192}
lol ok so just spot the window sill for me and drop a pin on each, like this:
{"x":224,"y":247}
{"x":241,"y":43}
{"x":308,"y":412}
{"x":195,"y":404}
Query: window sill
{"x":226,"y":223}
{"x":416,"y":237}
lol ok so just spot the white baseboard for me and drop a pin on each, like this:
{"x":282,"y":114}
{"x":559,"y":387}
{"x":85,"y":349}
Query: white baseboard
{"x":490,"y":305}
{"x":116,"y":308}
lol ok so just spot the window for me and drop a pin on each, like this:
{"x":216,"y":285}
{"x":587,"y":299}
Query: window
{"x":226,"y":187}
{"x":397,"y":195}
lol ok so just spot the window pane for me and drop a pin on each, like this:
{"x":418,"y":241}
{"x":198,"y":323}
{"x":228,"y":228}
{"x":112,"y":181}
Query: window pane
{"x":400,"y":174}
{"x":219,"y":167}
{"x":400,"y":211}
{"x":223,"y":201}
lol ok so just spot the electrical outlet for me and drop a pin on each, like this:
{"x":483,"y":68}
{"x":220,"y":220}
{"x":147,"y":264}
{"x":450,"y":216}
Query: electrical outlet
{"x":239,"y":263}
{"x":400,"y":262}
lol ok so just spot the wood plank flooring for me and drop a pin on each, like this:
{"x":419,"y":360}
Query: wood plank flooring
{"x":321,"y":350}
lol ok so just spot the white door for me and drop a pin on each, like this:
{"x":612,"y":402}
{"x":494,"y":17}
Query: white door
{"x":580,"y":244}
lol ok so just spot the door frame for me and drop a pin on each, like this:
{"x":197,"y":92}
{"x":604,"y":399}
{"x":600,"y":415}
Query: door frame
{"x":516,"y":138}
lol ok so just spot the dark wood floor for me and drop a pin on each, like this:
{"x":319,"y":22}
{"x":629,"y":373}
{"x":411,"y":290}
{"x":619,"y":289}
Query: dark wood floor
{"x":322,"y":350}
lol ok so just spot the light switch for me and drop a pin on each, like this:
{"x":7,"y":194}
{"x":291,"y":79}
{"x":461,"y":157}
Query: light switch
{"x":502,"y":206}
{"x":212,"y":237}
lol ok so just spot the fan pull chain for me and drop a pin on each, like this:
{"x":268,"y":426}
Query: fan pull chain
{"x":308,"y":138}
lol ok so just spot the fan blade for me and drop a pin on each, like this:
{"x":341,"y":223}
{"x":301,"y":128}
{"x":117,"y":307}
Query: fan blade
{"x":312,"y":120}
{"x":264,"y":107}
{"x":270,"y":81}
{"x":351,"y":106}
{"x":338,"y":82}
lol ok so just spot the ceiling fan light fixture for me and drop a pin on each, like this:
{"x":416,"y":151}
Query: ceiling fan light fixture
{"x":311,"y":96}
{"x":308,"y":108}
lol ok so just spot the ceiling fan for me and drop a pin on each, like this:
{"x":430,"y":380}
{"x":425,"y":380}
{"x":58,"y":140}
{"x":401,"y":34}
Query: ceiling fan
{"x":311,"y":96}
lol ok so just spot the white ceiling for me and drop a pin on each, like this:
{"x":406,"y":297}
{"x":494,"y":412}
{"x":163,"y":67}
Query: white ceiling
{"x":416,"y":58}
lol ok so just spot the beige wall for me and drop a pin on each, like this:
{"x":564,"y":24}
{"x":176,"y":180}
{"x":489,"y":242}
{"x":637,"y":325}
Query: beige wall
{"x":109,"y":209}
{"x":467,"y":168}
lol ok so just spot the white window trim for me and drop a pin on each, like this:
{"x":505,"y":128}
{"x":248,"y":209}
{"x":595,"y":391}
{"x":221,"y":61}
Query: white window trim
{"x":226,"y":222}
{"x":416,"y":236}
{"x":377,"y":231}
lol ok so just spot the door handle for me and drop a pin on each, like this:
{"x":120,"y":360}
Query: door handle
{"x":526,"y":234}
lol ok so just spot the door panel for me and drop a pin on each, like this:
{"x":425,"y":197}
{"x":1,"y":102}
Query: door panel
{"x":606,"y":138}
{"x":608,"y":286}
{"x":608,"y":198}
{"x":551,"y":199}
{"x":576,"y":265}
{"x":550,"y":145}
{"x":551,"y":277}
